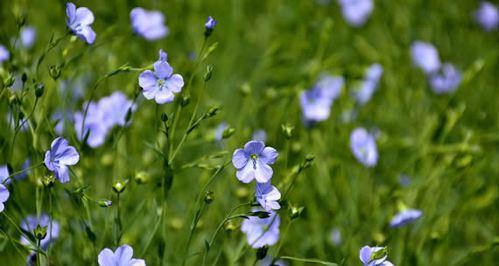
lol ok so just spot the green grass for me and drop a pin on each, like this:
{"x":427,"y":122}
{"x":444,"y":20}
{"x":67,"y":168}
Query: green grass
{"x":447,"y":144}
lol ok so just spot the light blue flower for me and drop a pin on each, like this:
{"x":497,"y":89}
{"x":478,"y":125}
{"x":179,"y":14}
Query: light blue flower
{"x":487,"y":16}
{"x":405,"y":216}
{"x":364,"y":147}
{"x":369,"y":84}
{"x":356,"y":12}
{"x":114,"y":108}
{"x":366,"y":257}
{"x":122,"y":256}
{"x":446,"y":80}
{"x":268,"y":196}
{"x":316,"y":102}
{"x":162,"y":83}
{"x":148,"y":24}
{"x":210,"y":23}
{"x":335,"y":236}
{"x":4,"y":54}
{"x":425,"y":56}
{"x":79,"y":21}
{"x":59,"y":157}
{"x":253,"y":161}
{"x":259,"y":135}
{"x":261,"y":231}
{"x":4,"y":174}
{"x":28,"y":36}
{"x":4,"y":196}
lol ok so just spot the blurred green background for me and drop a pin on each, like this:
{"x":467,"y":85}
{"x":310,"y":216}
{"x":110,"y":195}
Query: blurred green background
{"x":267,"y":53}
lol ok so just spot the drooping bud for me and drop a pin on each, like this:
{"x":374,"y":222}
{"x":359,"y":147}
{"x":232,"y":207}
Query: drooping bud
{"x":9,"y":81}
{"x":212,"y":111}
{"x":105,"y":203}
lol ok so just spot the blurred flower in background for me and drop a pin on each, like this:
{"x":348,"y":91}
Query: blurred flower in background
{"x":4,"y":196}
{"x":364,"y":148}
{"x":356,"y":12}
{"x":316,"y":103}
{"x":4,"y":53}
{"x":335,"y":237}
{"x":261,"y":231}
{"x":259,"y":135}
{"x":404,"y":217}
{"x":79,"y":21}
{"x":369,"y":84}
{"x":446,"y":80}
{"x":28,"y":36}
{"x":148,"y":24}
{"x":425,"y":56}
{"x":487,"y":16}
{"x":4,"y":174}
{"x":31,"y":222}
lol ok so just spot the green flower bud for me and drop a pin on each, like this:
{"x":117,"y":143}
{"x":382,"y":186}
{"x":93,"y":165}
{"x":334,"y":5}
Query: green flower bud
{"x":229,"y":131}
{"x":40,"y":232}
{"x":262,"y":252}
{"x":295,"y":212}
{"x":185,"y":100}
{"x":287,"y":130}
{"x":39,"y":89}
{"x":209,"y":197}
{"x":164,"y":117}
{"x":55,"y":72}
{"x":120,"y":186}
{"x":105,"y":203}
{"x":208,"y":73}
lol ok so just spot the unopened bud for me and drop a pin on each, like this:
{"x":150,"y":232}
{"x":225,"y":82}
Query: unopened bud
{"x":287,"y":130}
{"x":164,"y":117}
{"x":208,"y":73}
{"x":141,"y":177}
{"x":48,"y":181}
{"x":261,"y":253}
{"x":55,"y":72}
{"x":24,"y":77}
{"x":295,"y":212}
{"x":212,"y":111}
{"x":120,"y":186}
{"x":245,"y":89}
{"x":209,"y":197}
{"x":185,"y":100}
{"x":40,"y":232}
{"x":105,"y":203}
{"x":228,"y":132}
{"x":39,"y":89}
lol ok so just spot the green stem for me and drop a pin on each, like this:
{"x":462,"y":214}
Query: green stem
{"x":21,"y":171}
{"x":316,"y":261}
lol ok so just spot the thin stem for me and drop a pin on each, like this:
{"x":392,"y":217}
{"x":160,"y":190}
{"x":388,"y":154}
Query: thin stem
{"x":21,"y":171}
{"x":308,"y":260}
{"x":38,"y":260}
{"x":18,"y":128}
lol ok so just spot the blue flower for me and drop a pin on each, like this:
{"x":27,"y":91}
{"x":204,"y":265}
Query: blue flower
{"x":79,"y":21}
{"x":487,"y":16}
{"x":30,"y":223}
{"x":366,"y":257}
{"x":262,"y":231}
{"x":369,"y":84}
{"x":364,"y":147}
{"x":4,"y":174}
{"x":148,"y":24}
{"x":28,"y":36}
{"x":25,"y":173}
{"x":162,"y":83}
{"x":4,"y":196}
{"x":446,"y":80}
{"x":94,"y":127}
{"x":356,"y":12}
{"x":404,"y":217}
{"x":210,"y":23}
{"x":114,"y":109}
{"x":425,"y":56}
{"x":268,"y":196}
{"x":59,"y":157}
{"x":259,"y":135}
{"x":4,"y":54}
{"x":219,"y":131}
{"x":335,"y":236}
{"x":316,"y":102}
{"x":122,"y":256}
{"x":253,"y":161}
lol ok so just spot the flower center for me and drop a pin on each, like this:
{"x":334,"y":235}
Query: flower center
{"x":161,"y":84}
{"x":253,"y":158}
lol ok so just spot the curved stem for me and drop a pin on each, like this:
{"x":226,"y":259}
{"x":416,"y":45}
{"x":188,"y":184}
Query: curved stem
{"x":20,"y":172}
{"x":316,"y":261}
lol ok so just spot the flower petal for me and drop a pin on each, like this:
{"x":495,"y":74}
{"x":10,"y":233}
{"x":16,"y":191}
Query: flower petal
{"x":365,"y":255}
{"x":162,"y":69}
{"x":106,"y":258}
{"x":268,"y":155}
{"x":239,"y":158}
{"x":246,"y":174}
{"x":147,"y":79}
{"x":254,"y":147}
{"x":62,"y":174}
{"x":71,"y":12}
{"x":164,"y":96}
{"x":123,"y":254}
{"x":84,"y":16}
{"x":70,"y":156}
{"x":4,"y":193}
{"x":137,"y":262}
{"x":175,"y":83}
{"x":87,"y":34}
{"x":263,"y":172}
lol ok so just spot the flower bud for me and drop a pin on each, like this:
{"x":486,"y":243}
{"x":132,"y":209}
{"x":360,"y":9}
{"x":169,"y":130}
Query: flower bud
{"x":120,"y":186}
{"x":287,"y":130}
{"x":39,"y":89}
{"x":141,"y":178}
{"x":105,"y":203}
{"x":295,"y":212}
{"x":379,"y":254}
{"x":24,"y":77}
{"x":164,"y":117}
{"x":55,"y":72}
{"x":261,"y":253}
{"x":40,"y":232}
{"x":209,"y":26}
{"x":229,"y":131}
{"x":185,"y":100}
{"x":245,"y":89}
{"x":21,"y":20}
{"x":207,"y":74}
{"x":48,"y":181}
{"x":230,"y":226}
{"x":212,"y":111}
{"x":209,"y":197}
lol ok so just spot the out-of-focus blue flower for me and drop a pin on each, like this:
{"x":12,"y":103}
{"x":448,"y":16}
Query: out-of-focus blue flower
{"x":369,"y":84}
{"x":267,"y":261}
{"x":219,"y":131}
{"x":94,"y":126}
{"x":210,"y":23}
{"x":356,"y":12}
{"x":335,"y":236}
{"x":404,"y":180}
{"x":4,"y":174}
{"x":79,"y":21}
{"x":366,"y":257}
{"x":122,"y":256}
{"x":404,"y":217}
{"x":59,"y":157}
{"x":25,"y":173}
{"x":487,"y":16}
{"x":4,"y":196}
{"x":148,"y":24}
{"x":259,"y":135}
{"x":268,"y":196}
{"x":162,"y":83}
{"x":425,"y":56}
{"x":446,"y":80}
{"x":28,"y":36}
{"x":114,"y":108}
{"x":30,"y":223}
{"x":4,"y":54}
{"x":253,"y":161}
{"x":364,"y":147}
{"x":262,"y":231}
{"x":316,"y":102}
